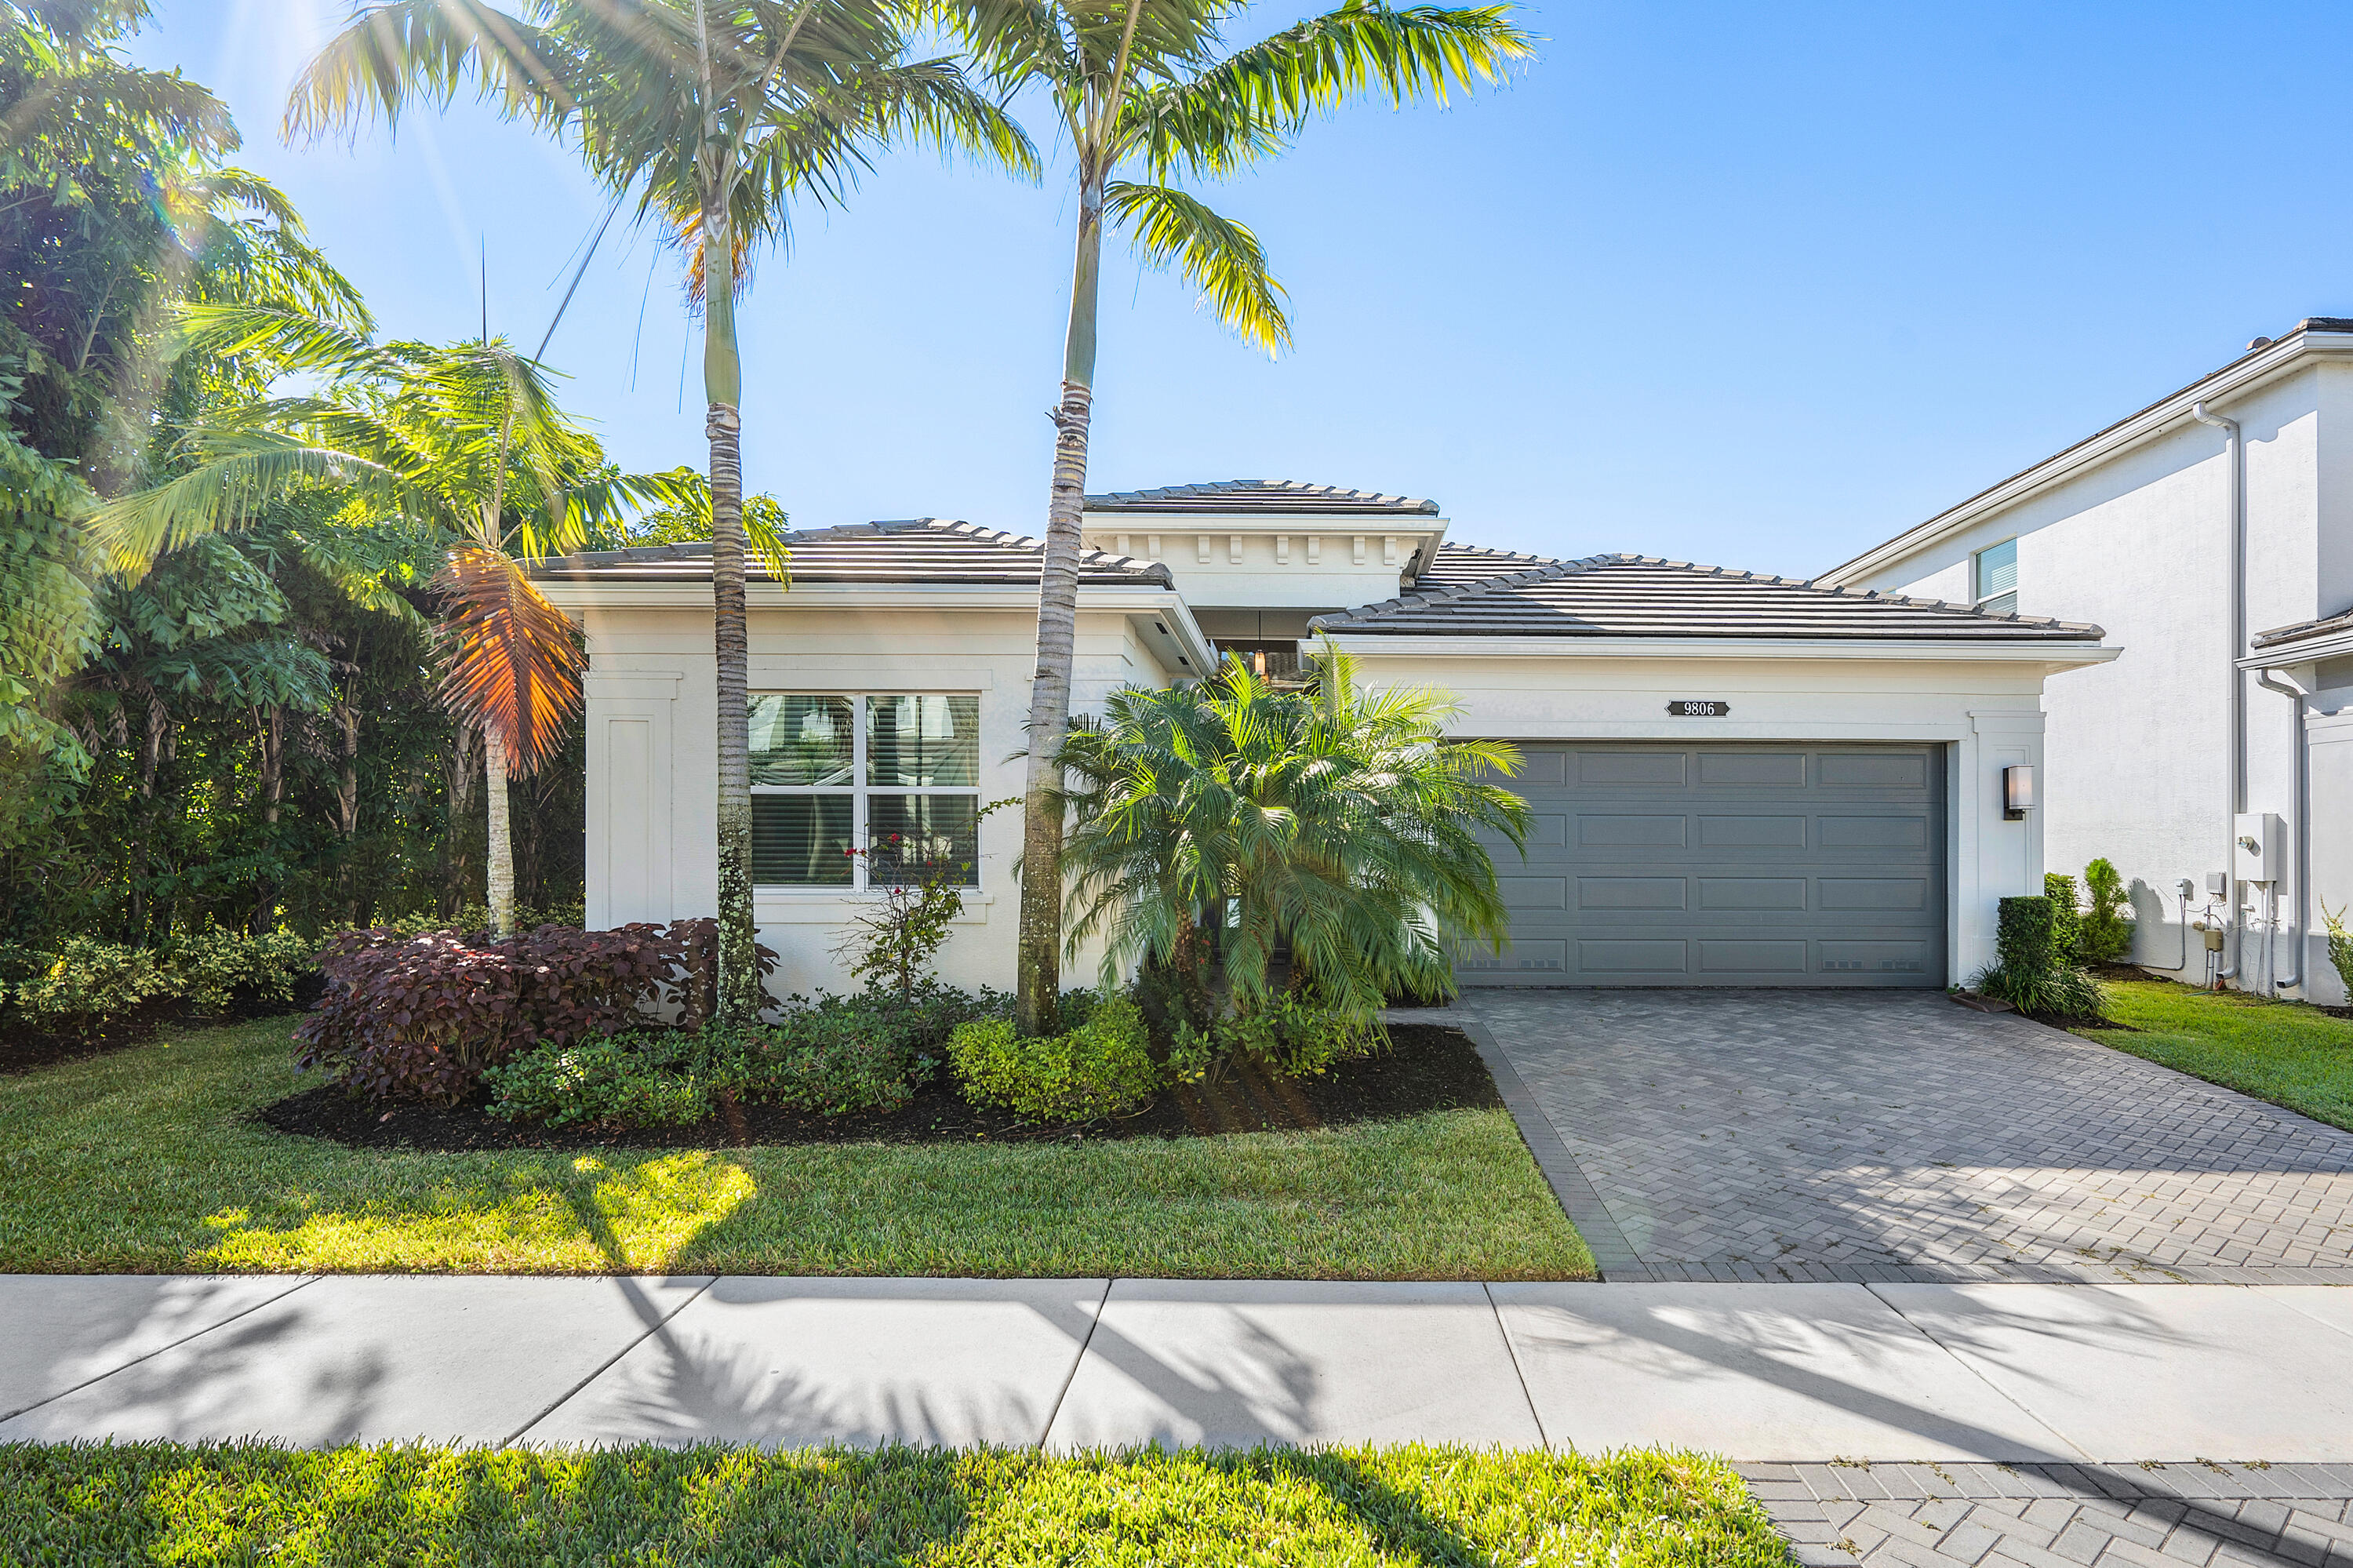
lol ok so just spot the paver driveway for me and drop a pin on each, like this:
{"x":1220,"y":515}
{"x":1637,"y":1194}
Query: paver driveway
{"x":1894,"y":1136}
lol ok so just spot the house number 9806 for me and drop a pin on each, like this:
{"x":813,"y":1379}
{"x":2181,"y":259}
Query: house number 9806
{"x":1692,"y":708}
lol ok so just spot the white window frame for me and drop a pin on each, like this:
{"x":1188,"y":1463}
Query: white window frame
{"x":1979,"y":598}
{"x":859,"y":790}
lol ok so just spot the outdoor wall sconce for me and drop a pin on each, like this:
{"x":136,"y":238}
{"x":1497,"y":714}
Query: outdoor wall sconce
{"x":2017,"y":791}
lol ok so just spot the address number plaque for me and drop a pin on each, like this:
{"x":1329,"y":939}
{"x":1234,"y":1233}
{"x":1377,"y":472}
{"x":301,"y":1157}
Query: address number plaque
{"x":1694,"y":709}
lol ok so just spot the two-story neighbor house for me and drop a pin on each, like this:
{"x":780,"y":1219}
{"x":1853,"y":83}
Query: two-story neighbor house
{"x":2211,"y":534}
{"x":1737,"y":779}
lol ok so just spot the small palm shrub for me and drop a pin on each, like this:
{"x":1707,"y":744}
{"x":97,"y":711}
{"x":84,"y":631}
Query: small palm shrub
{"x":2036,"y":974}
{"x":2340,"y":947}
{"x":1102,"y":1067}
{"x":2106,"y":932}
{"x":1341,"y":823}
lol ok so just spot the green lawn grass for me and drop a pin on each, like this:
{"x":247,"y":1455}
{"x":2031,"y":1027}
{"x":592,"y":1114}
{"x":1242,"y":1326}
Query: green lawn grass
{"x":2286,"y":1052}
{"x":144,"y":1160}
{"x":162,"y":1502}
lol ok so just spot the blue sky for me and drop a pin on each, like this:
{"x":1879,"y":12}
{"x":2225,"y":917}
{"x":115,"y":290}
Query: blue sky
{"x":1755,"y":286}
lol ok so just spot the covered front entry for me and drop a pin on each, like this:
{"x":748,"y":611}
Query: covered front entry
{"x":1732,"y":864}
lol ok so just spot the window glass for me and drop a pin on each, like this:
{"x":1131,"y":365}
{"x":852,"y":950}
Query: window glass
{"x":1998,"y":569}
{"x":927,"y":741}
{"x":802,"y":839}
{"x":802,"y":740}
{"x":909,"y":836}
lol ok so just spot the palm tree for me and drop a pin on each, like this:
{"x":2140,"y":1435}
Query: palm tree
{"x":1139,"y":82}
{"x":1339,"y":822}
{"x":714,"y":118}
{"x":463,"y":448}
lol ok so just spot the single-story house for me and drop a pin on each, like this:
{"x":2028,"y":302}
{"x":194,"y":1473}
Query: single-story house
{"x":1737,"y":779}
{"x":2211,"y":532}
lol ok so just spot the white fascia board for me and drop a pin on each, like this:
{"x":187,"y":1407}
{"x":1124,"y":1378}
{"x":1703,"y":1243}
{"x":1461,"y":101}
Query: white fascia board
{"x":2333,"y":646}
{"x":2234,"y":380}
{"x":1172,"y":612}
{"x":569,"y":594}
{"x":2062,"y":655}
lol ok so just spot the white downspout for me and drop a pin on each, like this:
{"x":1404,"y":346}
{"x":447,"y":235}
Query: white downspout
{"x":2236,"y":787}
{"x":2303,"y":776}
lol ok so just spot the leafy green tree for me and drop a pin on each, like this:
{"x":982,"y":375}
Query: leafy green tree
{"x":716,"y":118}
{"x":1339,"y":823}
{"x":462,"y":444}
{"x":1145,"y":84}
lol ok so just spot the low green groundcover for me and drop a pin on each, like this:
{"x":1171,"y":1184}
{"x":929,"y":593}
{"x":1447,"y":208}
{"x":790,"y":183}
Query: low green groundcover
{"x":2287,"y":1053}
{"x":709,"y":1506}
{"x":149,"y":1159}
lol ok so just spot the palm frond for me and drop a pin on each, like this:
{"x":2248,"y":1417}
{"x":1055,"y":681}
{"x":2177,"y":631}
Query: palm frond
{"x":242,"y":473}
{"x":1172,"y":229}
{"x":512,"y":661}
{"x":1249,"y":104}
{"x":388,"y":53}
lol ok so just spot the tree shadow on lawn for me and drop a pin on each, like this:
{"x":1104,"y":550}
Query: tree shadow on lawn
{"x":834,"y":1506}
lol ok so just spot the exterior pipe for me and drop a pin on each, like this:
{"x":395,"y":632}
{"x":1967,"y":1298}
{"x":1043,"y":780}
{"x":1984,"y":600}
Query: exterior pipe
{"x":2236,"y":787}
{"x":2302,"y":772}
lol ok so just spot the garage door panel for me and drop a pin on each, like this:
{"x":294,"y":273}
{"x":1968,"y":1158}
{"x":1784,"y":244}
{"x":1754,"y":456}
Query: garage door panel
{"x":1890,"y":893}
{"x":1653,"y":768}
{"x":1643,"y":831}
{"x":1725,"y":864}
{"x":1772,"y":769}
{"x":1622,"y":957}
{"x":1768,"y":893}
{"x":1629,"y":893}
{"x":1752,"y":833}
{"x":1722,"y":956}
{"x":1874,"y":832}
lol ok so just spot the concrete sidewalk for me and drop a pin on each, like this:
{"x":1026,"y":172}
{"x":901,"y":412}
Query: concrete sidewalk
{"x":1794,"y":1374}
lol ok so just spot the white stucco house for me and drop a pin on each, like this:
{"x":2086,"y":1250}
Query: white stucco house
{"x":2211,"y":534}
{"x":1737,"y":779}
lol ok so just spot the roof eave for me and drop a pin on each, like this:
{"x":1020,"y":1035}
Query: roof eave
{"x":2242,"y":375}
{"x":2054,"y":652}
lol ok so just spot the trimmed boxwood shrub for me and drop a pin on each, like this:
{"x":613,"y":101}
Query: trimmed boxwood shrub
{"x":2037,"y":973}
{"x":1101,"y":1068}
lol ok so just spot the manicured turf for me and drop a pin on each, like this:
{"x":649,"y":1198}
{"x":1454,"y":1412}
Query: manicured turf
{"x":2288,"y":1054}
{"x":142,"y":1161}
{"x":156,"y":1503}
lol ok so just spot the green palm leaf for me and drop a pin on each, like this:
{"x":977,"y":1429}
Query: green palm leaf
{"x":1172,"y":229}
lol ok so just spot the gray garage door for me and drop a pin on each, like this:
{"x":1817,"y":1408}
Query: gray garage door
{"x":1732,"y":864}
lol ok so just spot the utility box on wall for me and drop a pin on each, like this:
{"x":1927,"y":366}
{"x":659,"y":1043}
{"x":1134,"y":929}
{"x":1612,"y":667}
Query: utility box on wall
{"x":2260,"y":840}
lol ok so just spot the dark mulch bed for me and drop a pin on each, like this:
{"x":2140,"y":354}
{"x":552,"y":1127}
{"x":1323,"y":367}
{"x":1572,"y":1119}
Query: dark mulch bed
{"x":1427,"y":1069}
{"x":23,"y":1048}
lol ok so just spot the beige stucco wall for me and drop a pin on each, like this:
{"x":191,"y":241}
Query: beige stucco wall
{"x":652,"y":782}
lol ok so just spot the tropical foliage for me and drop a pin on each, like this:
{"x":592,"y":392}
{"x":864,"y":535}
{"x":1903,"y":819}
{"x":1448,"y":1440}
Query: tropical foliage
{"x":1148,"y":86}
{"x":713,"y":121}
{"x":1337,"y":824}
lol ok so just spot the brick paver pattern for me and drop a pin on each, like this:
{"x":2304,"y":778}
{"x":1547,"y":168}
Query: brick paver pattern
{"x":1894,"y":1136}
{"x":2059,"y":1516}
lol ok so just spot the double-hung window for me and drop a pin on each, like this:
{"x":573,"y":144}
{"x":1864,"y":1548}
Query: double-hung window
{"x":1993,"y":573}
{"x":864,"y":791}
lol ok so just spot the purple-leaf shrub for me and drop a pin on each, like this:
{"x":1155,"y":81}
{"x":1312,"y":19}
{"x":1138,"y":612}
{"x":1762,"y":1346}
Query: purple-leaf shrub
{"x":419,"y":1017}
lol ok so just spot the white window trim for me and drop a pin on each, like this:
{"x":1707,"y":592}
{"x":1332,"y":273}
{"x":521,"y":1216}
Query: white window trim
{"x":1979,"y":599}
{"x":858,"y":790}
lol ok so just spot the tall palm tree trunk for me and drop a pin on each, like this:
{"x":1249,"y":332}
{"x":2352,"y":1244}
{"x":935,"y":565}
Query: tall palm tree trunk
{"x":1039,"y":972}
{"x":740,"y":998}
{"x":501,"y":848}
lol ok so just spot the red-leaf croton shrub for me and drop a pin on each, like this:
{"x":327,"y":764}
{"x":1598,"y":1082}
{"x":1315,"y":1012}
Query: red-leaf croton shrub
{"x":419,"y":1017}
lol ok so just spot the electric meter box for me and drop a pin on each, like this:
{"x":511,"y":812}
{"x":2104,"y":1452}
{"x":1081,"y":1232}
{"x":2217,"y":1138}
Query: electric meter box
{"x":2261,"y":838}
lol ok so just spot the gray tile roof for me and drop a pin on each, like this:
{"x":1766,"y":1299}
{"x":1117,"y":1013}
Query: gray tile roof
{"x":1459,"y":564}
{"x":2303,"y":630}
{"x":1260,"y":495}
{"x":1641,"y":596}
{"x":921,"y":550}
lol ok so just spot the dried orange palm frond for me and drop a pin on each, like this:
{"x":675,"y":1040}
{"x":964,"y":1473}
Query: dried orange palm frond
{"x":513,"y":666}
